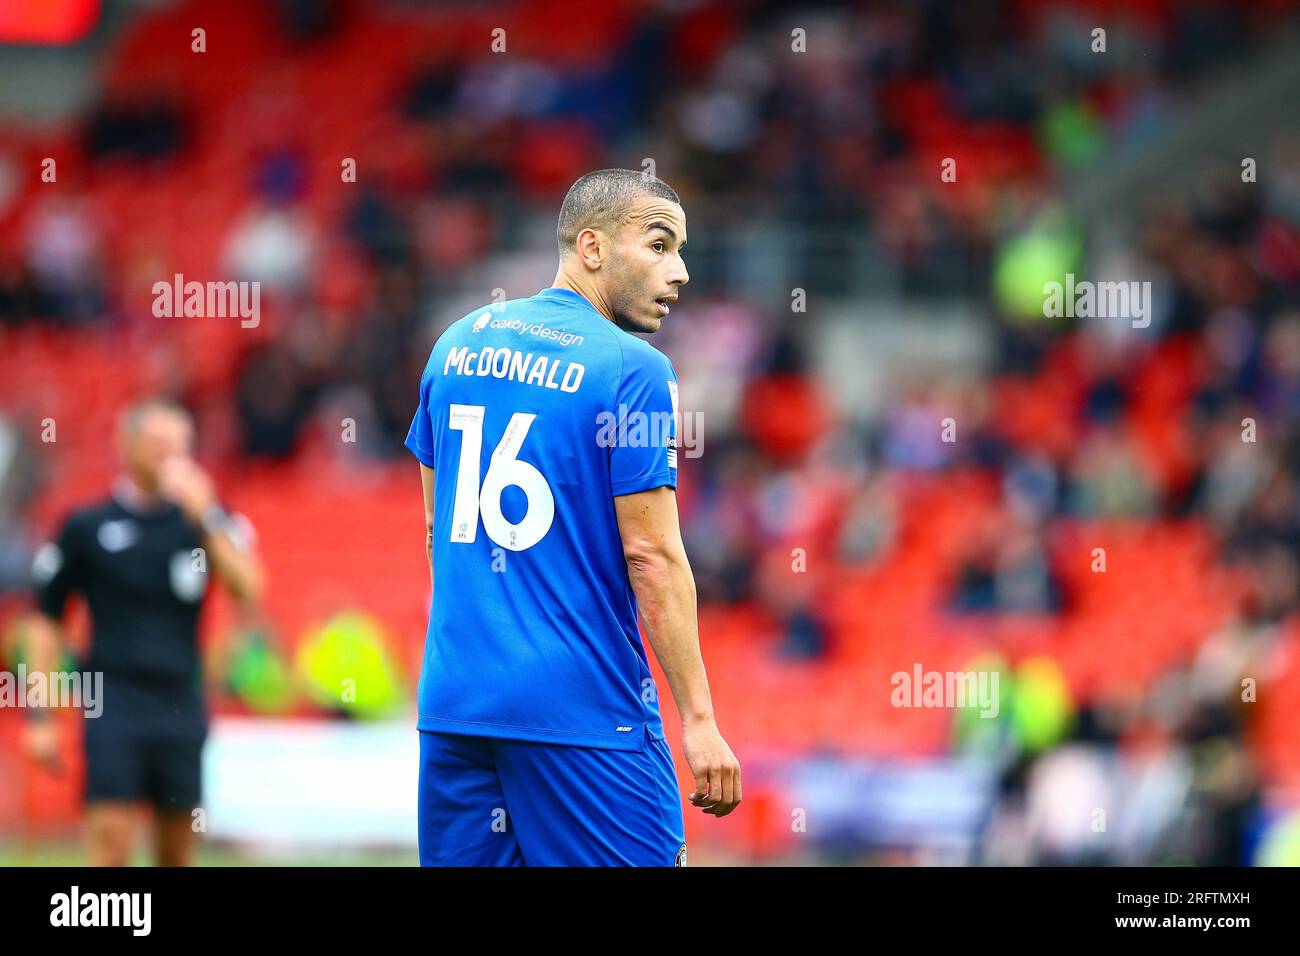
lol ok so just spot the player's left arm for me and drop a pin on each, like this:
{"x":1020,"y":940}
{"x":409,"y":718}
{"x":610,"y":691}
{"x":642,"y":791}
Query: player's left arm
{"x":228,"y":540}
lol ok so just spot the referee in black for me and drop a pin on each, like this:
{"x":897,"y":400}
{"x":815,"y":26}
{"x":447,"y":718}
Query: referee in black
{"x":141,"y":559}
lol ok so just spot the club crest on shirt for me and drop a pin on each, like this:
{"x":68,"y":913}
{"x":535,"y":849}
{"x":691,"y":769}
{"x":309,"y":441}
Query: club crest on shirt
{"x":680,"y":859}
{"x":188,"y":583}
{"x":117,"y":535}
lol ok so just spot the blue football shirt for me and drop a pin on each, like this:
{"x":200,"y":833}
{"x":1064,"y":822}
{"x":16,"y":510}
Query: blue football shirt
{"x":534,"y":414}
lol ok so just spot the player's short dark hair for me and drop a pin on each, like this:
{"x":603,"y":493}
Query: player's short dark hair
{"x":600,"y":200}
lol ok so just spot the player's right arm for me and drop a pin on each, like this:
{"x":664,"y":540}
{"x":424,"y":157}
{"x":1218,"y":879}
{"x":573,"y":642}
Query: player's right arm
{"x":426,"y":484}
{"x":661,"y":576}
{"x":419,"y":439}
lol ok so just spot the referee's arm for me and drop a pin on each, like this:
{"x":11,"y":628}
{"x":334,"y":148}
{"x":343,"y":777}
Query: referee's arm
{"x":228,"y":540}
{"x":233,"y":557}
{"x":55,"y":575}
{"x":40,"y":736}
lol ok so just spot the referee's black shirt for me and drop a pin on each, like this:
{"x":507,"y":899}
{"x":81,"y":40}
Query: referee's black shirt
{"x":143,"y":578}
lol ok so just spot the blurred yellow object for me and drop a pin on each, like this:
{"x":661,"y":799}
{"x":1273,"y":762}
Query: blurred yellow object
{"x":975,"y":732}
{"x":1280,"y":844}
{"x":345,"y":666}
{"x":1027,"y":262}
{"x":258,"y":675}
{"x":1041,"y":708}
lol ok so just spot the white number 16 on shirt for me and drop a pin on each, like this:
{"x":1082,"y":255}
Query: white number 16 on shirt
{"x":504,"y":470}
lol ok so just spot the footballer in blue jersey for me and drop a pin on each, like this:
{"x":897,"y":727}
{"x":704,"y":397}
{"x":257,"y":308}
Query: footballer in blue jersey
{"x":547,"y":440}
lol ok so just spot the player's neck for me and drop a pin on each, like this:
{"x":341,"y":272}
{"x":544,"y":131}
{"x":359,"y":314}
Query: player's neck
{"x":588,"y":292}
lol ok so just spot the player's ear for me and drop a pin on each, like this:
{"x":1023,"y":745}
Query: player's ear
{"x":591,"y":246}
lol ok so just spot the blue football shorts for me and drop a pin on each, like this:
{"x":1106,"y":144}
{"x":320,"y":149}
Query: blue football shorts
{"x":487,"y":801}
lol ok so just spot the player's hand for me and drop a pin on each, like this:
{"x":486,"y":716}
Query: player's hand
{"x":40,"y":741}
{"x":716,"y":769}
{"x":181,"y":480}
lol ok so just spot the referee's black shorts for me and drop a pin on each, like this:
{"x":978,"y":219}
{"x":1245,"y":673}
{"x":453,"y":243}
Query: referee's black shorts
{"x":146,"y":745}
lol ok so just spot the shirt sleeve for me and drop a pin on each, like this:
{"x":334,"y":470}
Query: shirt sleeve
{"x":420,"y":436}
{"x":641,"y":430}
{"x":56,"y":571}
